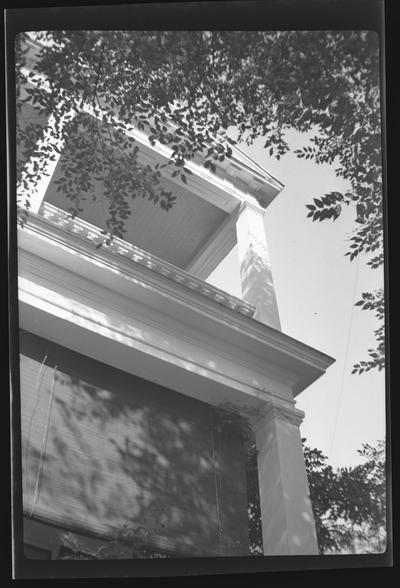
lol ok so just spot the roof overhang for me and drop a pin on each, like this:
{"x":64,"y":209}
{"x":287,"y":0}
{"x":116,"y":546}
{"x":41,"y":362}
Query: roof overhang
{"x":135,"y":313}
{"x":213,"y":197}
{"x":239,"y":171}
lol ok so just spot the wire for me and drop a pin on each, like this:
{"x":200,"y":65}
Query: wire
{"x":345,"y":358}
{"x":217,"y":475}
{"x":44,"y":445}
{"x":28,"y":435}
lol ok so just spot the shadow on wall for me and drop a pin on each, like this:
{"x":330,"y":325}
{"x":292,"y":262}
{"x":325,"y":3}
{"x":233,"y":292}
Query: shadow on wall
{"x":123,"y":450}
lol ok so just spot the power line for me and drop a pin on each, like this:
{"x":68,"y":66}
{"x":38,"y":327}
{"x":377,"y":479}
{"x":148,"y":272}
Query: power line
{"x":345,"y":357}
{"x":44,"y":445}
{"x":28,"y":434}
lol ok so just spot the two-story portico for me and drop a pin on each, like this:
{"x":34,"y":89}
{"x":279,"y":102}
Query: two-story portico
{"x":128,"y":356}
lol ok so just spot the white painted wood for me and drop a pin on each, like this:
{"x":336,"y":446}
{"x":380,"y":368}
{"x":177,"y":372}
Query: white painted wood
{"x":135,"y":347}
{"x":213,"y":251}
{"x":126,"y":251}
{"x":58,"y":245}
{"x":174,"y":235}
{"x":255,"y":268}
{"x":288,"y":526}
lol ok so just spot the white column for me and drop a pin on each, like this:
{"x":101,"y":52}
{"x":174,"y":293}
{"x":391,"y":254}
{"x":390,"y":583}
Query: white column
{"x":39,"y":169}
{"x":288,"y":526}
{"x":255,"y":268}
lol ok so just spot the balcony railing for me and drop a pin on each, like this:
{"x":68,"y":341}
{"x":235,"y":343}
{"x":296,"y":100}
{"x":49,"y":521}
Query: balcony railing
{"x":90,"y":233}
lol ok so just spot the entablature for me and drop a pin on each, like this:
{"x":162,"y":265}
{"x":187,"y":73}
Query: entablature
{"x":63,"y":276}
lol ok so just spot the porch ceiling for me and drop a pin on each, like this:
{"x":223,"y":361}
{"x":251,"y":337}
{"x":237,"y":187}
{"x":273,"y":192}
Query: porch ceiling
{"x":174,"y":235}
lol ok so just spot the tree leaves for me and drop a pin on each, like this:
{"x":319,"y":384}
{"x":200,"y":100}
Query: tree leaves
{"x":185,"y":89}
{"x":373,"y":301}
{"x":306,"y":152}
{"x":327,"y":206}
{"x":349,"y":504}
{"x":144,"y":76}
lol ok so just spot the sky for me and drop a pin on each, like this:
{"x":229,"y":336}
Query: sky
{"x":316,"y":286}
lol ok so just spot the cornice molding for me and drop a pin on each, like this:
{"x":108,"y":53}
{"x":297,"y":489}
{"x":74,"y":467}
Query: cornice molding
{"x":285,"y":413}
{"x":89,"y":233}
{"x":40,"y":272}
{"x":79,"y":238}
{"x":38,"y":298}
{"x":249,"y":205}
{"x":254,"y":179}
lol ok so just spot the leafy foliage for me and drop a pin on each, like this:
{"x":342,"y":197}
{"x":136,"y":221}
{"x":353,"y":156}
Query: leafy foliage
{"x":230,"y":414}
{"x":199,"y":93}
{"x":349,"y":504}
{"x":373,"y":301}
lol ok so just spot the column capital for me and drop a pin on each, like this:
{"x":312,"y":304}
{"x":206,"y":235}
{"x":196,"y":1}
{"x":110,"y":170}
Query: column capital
{"x":278,"y":410}
{"x":285,"y":413}
{"x":247,"y":205}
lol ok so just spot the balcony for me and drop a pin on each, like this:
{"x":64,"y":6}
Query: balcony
{"x":57,"y":222}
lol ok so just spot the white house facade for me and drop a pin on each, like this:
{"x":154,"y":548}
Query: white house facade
{"x":128,"y":357}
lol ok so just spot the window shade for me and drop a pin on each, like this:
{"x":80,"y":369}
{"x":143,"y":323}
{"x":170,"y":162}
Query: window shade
{"x":102,"y":448}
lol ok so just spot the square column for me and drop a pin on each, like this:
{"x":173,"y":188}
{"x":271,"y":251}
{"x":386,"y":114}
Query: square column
{"x":288,"y":526}
{"x":255,"y":268}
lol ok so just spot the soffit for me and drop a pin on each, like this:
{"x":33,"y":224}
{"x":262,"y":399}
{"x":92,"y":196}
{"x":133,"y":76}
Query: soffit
{"x":174,"y":235}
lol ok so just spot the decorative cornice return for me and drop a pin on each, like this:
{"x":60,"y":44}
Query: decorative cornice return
{"x":90,"y":233}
